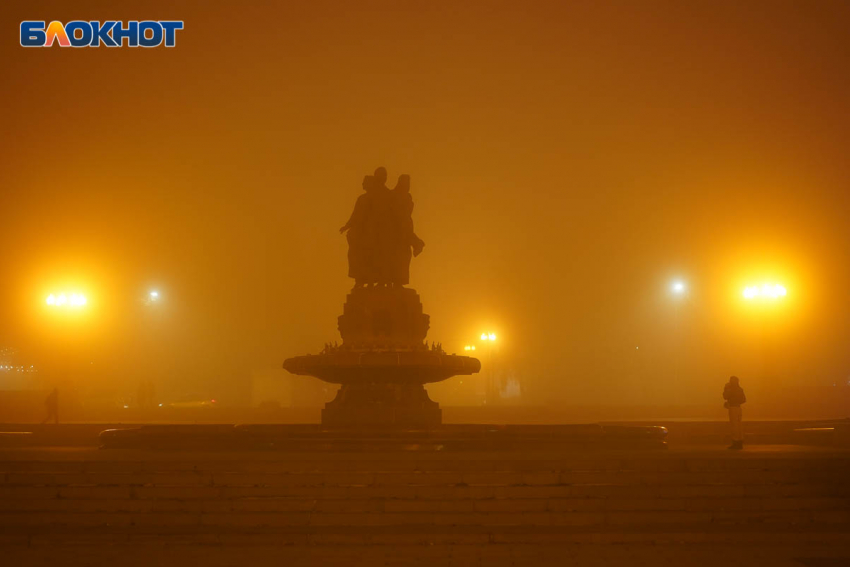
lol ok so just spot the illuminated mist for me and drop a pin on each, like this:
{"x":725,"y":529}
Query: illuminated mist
{"x":605,"y":188}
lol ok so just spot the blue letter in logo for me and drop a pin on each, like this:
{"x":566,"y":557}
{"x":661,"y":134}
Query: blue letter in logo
{"x":156,"y":34}
{"x":170,"y":29}
{"x":71,"y":29}
{"x":32,"y":34}
{"x":101,"y":33}
{"x":131,"y":33}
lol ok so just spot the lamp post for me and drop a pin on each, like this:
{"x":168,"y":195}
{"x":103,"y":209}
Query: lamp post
{"x":768,"y":294}
{"x":490,"y":394}
{"x":679,"y":290}
{"x":146,"y":392}
{"x":66,"y":302}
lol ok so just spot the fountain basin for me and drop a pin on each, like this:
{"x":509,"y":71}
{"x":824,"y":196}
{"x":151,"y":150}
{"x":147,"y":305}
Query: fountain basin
{"x":374,"y":366}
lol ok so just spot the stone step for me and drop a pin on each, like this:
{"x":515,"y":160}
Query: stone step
{"x":423,"y":520}
{"x":377,"y":505}
{"x":406,"y":464}
{"x":473,"y":478}
{"x":324,"y":536}
{"x":410,"y":492}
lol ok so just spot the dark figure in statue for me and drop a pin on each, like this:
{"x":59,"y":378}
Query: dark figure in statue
{"x":404,"y":240}
{"x":383,"y":225}
{"x":380,"y":233}
{"x":361,"y":237}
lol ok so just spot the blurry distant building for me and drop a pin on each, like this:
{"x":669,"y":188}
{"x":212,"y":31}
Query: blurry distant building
{"x":7,"y":356}
{"x":509,"y":385}
{"x":16,"y":373}
{"x":511,"y":388}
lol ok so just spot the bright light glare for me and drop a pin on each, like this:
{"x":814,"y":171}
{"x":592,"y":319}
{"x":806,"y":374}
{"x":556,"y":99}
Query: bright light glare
{"x":678,"y":287}
{"x":469,"y":347}
{"x":154,"y":294}
{"x":488,"y":336}
{"x":69,"y":300}
{"x":492,"y":336}
{"x":767,"y":291}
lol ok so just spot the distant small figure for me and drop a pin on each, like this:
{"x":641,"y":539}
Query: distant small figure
{"x":734,"y":396}
{"x":151,"y":394}
{"x":52,"y":405}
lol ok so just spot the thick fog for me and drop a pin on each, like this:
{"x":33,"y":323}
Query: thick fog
{"x":568,"y":164}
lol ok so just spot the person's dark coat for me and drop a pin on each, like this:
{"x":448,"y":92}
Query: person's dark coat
{"x":734,"y":395}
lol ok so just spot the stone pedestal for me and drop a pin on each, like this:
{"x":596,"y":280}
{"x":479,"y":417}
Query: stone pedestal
{"x":383,"y":318}
{"x":383,"y":363}
{"x":376,"y":404}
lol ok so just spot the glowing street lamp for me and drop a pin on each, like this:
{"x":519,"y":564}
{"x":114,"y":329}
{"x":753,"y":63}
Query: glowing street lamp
{"x":488,"y":336}
{"x":152,"y":297}
{"x":66,"y":300}
{"x":678,"y":287}
{"x":764,"y":291}
{"x":469,"y":347}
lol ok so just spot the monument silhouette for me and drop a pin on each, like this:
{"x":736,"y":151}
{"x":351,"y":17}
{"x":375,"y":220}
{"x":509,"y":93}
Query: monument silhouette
{"x":384,"y":360}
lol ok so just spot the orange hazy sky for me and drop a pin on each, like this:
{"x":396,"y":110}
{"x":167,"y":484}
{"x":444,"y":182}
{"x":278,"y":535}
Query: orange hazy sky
{"x":568,"y":160}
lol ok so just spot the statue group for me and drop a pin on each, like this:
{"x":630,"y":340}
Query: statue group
{"x":381,"y":240}
{"x":384,"y":360}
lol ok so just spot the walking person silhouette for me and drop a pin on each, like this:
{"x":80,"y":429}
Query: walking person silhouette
{"x":734,"y":396}
{"x":52,"y":405}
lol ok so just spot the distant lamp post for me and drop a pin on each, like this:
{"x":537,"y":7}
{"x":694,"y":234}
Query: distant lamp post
{"x":490,"y":394}
{"x":469,"y":347}
{"x":679,"y":289}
